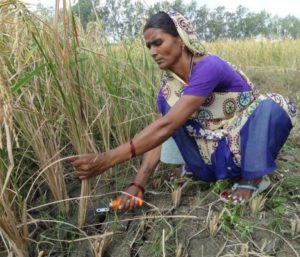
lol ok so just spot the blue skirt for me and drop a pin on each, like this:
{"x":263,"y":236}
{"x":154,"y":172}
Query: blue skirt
{"x":261,"y":139}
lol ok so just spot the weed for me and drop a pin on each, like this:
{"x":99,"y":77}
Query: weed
{"x":232,"y":220}
{"x":278,"y":206}
{"x":220,"y":186}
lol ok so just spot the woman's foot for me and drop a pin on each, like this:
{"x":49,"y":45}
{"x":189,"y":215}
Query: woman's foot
{"x":245,"y":190}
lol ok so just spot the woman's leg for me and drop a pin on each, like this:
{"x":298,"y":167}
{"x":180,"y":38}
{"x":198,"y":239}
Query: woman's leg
{"x":261,"y":140}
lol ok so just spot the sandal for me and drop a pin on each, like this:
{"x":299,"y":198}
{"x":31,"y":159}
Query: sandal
{"x":227,"y":197}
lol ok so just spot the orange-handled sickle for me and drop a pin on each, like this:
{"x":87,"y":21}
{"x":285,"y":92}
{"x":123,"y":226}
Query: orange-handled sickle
{"x":116,"y":203}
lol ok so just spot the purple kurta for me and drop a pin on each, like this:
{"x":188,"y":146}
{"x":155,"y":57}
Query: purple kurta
{"x":260,"y":138}
{"x":211,"y":74}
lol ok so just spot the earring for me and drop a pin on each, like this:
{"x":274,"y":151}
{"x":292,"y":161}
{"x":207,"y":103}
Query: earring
{"x":182,"y":47}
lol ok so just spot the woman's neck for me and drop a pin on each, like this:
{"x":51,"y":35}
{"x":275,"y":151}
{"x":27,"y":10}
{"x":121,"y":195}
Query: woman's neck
{"x":184,"y":66}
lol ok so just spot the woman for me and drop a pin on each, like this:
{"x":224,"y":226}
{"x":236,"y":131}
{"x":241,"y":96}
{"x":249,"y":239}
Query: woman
{"x":223,"y":128}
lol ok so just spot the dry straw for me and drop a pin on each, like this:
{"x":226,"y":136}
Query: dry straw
{"x":295,"y":227}
{"x":10,"y":231}
{"x":257,"y":204}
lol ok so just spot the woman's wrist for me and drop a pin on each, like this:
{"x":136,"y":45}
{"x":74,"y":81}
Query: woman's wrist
{"x":108,"y":158}
{"x":120,"y":154}
{"x":138,"y":185}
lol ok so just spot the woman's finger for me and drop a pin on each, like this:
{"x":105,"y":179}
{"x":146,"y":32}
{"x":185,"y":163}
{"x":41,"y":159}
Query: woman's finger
{"x":127,"y":204}
{"x":135,"y":200}
{"x":82,"y":173}
{"x":80,"y":161}
{"x":132,"y":203}
{"x":86,"y":167}
{"x":140,"y":195}
{"x":123,"y":199}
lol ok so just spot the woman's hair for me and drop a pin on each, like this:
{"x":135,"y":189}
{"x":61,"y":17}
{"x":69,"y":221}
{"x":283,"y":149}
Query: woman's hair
{"x":162,"y":21}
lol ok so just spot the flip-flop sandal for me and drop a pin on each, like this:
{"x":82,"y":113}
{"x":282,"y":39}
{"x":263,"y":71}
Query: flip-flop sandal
{"x":226,"y":197}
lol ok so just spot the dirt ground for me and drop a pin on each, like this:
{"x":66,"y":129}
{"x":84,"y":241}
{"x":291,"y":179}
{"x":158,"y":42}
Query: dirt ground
{"x":200,"y":226}
{"x":203,"y":226}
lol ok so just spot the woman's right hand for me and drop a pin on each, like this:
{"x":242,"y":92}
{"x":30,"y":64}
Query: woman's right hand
{"x":90,"y":165}
{"x":131,"y":198}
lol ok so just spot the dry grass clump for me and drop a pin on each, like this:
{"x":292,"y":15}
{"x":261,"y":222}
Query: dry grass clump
{"x":100,"y":245}
{"x":213,"y":223}
{"x":214,"y":220}
{"x":257,"y":204}
{"x":179,"y":250}
{"x":295,"y":227}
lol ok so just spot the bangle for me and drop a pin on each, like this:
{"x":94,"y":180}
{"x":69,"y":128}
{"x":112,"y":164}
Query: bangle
{"x":132,"y":148}
{"x":138,"y":186}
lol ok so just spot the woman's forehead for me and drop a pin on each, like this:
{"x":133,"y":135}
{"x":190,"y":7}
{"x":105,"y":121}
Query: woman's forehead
{"x":154,"y":33}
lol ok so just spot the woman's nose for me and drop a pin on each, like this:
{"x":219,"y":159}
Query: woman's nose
{"x":153,"y":51}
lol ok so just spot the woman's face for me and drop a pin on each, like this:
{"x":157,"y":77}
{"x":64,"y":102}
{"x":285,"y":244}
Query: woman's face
{"x":164,"y":48}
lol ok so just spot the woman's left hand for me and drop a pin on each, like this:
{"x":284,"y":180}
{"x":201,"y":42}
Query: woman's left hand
{"x":133,"y":197}
{"x":90,"y":165}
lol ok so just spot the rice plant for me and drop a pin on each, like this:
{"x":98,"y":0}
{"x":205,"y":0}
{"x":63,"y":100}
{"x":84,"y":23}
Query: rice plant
{"x":69,"y":91}
{"x":14,"y":236}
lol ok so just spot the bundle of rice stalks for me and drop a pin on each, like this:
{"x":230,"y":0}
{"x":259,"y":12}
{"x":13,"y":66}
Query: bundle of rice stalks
{"x":6,"y":124}
{"x":11,"y":232}
{"x":35,"y":128}
{"x":50,"y":102}
{"x":31,"y":120}
{"x":15,"y":236}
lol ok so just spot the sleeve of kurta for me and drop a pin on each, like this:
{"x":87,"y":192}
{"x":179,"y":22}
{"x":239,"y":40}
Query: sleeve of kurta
{"x":205,"y":77}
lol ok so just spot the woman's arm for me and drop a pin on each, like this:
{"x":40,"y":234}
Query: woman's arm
{"x":161,"y":129}
{"x":149,"y":138}
{"x":149,"y":163}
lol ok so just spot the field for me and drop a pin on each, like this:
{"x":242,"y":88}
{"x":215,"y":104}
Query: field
{"x":66,"y":91}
